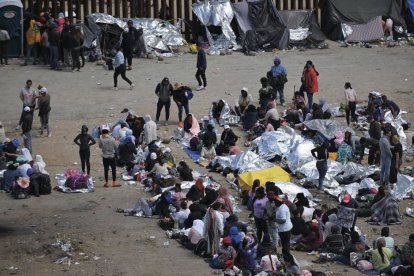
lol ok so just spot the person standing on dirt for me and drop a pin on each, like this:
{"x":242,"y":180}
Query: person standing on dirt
{"x":279,"y":78}
{"x":164,"y":91}
{"x":321,"y":155}
{"x":180,"y":98}
{"x":120,"y":69}
{"x":67,"y":43}
{"x":27,"y":121}
{"x":84,"y":140}
{"x":201,"y":68}
{"x":77,"y":38}
{"x":129,"y":40}
{"x":350,"y":100}
{"x":109,"y":147}
{"x":43,"y":104}
{"x":28,"y":97}
{"x":310,"y":80}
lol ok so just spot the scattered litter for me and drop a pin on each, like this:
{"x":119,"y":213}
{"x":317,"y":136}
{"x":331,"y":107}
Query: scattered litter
{"x":409,"y":212}
{"x":95,"y":258}
{"x":63,"y":261}
{"x":152,"y":237}
{"x":75,"y":163}
{"x":76,"y":263}
{"x":166,"y":244}
{"x":65,"y":246}
{"x":111,"y":108}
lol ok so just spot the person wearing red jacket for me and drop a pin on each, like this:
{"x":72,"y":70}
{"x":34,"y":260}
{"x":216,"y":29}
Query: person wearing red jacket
{"x":311,"y":81}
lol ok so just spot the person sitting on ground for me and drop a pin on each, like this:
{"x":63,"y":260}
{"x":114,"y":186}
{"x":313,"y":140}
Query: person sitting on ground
{"x":210,"y":196}
{"x":127,"y":151}
{"x":299,"y":226}
{"x":234,"y":149}
{"x":185,"y":171}
{"x":391,"y":105}
{"x":223,"y":195}
{"x":232,"y":221}
{"x":191,"y":126}
{"x":195,"y":234}
{"x":226,"y":255}
{"x":344,"y":153}
{"x":217,"y":108}
{"x":407,"y":250}
{"x":334,"y":242}
{"x":317,"y":112}
{"x":243,"y":101}
{"x":272,"y":115}
{"x":208,"y":154}
{"x":332,"y":220}
{"x":385,"y":234}
{"x":178,"y":196}
{"x":247,"y":256}
{"x":350,"y":247}
{"x":160,"y":169}
{"x":297,"y":109}
{"x":181,"y":215}
{"x":236,"y":236}
{"x":9,"y":176}
{"x":249,"y":117}
{"x":196,"y":191}
{"x":23,"y":167}
{"x":168,"y":158}
{"x":381,"y":256}
{"x":210,"y":135}
{"x":228,"y":136}
{"x":150,"y":161}
{"x":291,"y":268}
{"x":313,"y":241}
{"x":266,"y":93}
{"x":269,"y":263}
{"x":301,"y":201}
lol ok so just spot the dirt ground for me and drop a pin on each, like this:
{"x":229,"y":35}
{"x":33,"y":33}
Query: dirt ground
{"x":108,"y":243}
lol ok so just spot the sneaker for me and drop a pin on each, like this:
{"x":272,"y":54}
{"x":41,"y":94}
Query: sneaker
{"x":18,"y":127}
{"x":283,"y":104}
{"x":49,"y":134}
{"x":200,"y":88}
{"x":132,"y":86}
{"x":115,"y":88}
{"x":114,"y":184}
{"x":139,"y":214}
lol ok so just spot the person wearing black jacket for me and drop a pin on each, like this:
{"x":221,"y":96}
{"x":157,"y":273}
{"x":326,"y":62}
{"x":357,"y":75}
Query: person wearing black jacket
{"x":27,"y":121}
{"x":126,"y":154}
{"x":66,"y":41}
{"x":228,"y":136}
{"x":210,"y":135}
{"x":164,"y":91}
{"x":201,"y":68}
{"x":180,"y":98}
{"x":84,"y":140}
{"x":129,"y":40}
{"x":321,"y":154}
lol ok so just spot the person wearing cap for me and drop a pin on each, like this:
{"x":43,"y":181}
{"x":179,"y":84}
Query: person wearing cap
{"x":279,"y":78}
{"x":164,"y":91}
{"x":226,"y":255}
{"x":201,"y":68}
{"x":243,"y":101}
{"x":43,"y":104}
{"x":120,"y":69}
{"x":129,"y":39}
{"x":109,"y":147}
{"x":2,"y":134}
{"x":27,"y":122}
{"x":312,"y":241}
{"x":180,"y":98}
{"x":228,"y":136}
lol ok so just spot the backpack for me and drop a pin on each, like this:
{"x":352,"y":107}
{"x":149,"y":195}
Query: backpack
{"x":45,"y":186}
{"x":201,"y":247}
{"x":19,"y":192}
{"x":189,"y":93}
{"x":194,"y":143}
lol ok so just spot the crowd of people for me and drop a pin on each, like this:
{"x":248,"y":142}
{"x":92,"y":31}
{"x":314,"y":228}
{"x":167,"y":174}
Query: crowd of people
{"x":202,"y":217}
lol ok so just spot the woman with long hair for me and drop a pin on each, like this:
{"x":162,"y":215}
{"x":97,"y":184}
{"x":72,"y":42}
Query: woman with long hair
{"x":381,"y":256}
{"x":84,"y":140}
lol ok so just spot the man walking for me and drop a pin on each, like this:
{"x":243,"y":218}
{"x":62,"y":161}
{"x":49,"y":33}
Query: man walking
{"x":28,"y":97}
{"x":164,"y":91}
{"x":386,"y":156}
{"x":120,"y":69}
{"x":27,"y":121}
{"x":129,"y":40}
{"x":201,"y":68}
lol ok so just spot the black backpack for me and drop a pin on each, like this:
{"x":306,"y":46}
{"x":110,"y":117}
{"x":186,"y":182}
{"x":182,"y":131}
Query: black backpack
{"x":201,"y":247}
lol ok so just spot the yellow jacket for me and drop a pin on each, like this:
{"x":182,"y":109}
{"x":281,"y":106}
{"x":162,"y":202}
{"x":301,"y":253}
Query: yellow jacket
{"x":33,"y":33}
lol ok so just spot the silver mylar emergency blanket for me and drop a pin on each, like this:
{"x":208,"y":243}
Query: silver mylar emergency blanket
{"x":217,"y":13}
{"x":291,"y":189}
{"x":339,"y":191}
{"x":299,"y":154}
{"x":273,"y":143}
{"x":367,"y":183}
{"x":227,"y":116}
{"x":358,"y":171}
{"x":312,"y":174}
{"x":245,"y":161}
{"x":327,"y":128}
{"x":404,"y":187}
{"x":397,"y":122}
{"x":159,"y":34}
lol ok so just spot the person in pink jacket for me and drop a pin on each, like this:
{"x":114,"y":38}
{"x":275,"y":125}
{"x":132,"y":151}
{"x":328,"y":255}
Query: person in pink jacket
{"x":311,"y":81}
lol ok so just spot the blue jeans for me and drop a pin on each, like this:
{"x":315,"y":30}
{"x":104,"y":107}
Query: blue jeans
{"x":385,"y":170}
{"x":279,"y":90}
{"x":273,"y":233}
{"x":27,"y":138}
{"x":180,"y":111}
{"x":31,"y":50}
{"x":322,"y":166}
{"x":310,"y":99}
{"x":54,"y":57}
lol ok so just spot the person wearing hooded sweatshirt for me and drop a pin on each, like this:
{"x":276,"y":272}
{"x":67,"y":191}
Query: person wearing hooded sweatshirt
{"x":235,"y":235}
{"x":108,"y":146}
{"x":195,"y":234}
{"x":250,"y":117}
{"x":33,"y":38}
{"x":53,"y":38}
{"x":27,"y":122}
{"x":164,"y":91}
{"x":84,"y":140}
{"x":43,"y":103}
{"x":150,"y":130}
{"x":332,"y":219}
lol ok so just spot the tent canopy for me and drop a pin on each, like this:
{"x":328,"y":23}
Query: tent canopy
{"x":16,"y":3}
{"x":273,"y":174}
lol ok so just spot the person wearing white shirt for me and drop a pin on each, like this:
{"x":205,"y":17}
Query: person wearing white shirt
{"x":350,"y":100}
{"x":284,"y":225}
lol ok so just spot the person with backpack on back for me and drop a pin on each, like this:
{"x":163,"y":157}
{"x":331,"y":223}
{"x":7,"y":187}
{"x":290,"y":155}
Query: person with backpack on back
{"x":164,"y":91}
{"x":278,"y":79}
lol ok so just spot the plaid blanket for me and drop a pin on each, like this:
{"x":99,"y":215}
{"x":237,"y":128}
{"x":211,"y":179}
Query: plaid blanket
{"x":386,"y":211}
{"x":345,"y":217}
